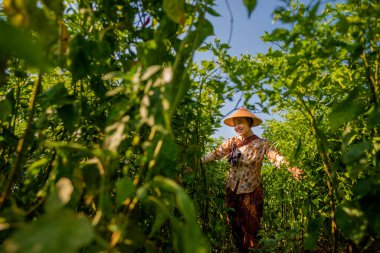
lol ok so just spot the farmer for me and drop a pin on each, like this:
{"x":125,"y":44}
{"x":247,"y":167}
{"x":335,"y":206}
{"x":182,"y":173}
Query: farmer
{"x":244,"y":192}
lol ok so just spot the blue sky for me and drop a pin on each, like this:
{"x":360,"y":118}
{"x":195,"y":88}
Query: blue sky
{"x":245,"y":39}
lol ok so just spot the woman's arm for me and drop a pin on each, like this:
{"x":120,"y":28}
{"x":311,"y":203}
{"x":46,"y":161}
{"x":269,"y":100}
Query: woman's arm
{"x":220,"y":152}
{"x":278,"y":160}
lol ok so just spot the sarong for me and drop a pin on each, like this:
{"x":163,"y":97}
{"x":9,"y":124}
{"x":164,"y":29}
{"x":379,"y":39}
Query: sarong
{"x":244,"y":215}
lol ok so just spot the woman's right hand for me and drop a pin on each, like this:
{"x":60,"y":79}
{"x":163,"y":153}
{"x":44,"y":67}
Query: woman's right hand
{"x":187,"y":170}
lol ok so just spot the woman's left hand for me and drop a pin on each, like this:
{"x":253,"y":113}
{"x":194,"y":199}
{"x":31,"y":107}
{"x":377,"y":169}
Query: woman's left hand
{"x":297,"y":172}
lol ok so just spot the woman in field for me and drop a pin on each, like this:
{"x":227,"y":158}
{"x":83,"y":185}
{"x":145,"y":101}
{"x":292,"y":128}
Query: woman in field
{"x":244,"y":191}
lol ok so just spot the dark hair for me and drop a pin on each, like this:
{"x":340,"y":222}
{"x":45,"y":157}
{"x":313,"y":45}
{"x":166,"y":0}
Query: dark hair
{"x":250,"y":121}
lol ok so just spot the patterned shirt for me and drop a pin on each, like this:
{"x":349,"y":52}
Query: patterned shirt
{"x":246,"y":176}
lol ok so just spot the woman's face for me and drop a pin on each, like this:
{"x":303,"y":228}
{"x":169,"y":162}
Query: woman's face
{"x":242,"y":127}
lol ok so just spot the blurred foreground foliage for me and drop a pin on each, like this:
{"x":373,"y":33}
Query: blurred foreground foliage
{"x":103,"y":112}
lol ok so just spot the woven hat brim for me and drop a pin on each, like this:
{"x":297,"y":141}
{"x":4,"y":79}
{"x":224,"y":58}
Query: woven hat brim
{"x":242,"y":113}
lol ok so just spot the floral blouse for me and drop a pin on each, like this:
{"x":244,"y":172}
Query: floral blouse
{"x":246,"y":176}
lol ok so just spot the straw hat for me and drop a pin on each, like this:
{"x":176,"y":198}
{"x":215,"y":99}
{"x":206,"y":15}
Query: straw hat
{"x":245,"y":113}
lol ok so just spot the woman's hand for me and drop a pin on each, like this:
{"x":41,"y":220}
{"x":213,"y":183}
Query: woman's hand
{"x":187,"y":170}
{"x":297,"y":172}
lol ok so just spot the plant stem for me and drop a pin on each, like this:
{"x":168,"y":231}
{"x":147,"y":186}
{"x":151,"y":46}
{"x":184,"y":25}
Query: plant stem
{"x":21,"y":146}
{"x":327,"y":169}
{"x":372,"y":80}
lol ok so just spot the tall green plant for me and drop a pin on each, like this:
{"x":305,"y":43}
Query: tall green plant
{"x":88,"y":94}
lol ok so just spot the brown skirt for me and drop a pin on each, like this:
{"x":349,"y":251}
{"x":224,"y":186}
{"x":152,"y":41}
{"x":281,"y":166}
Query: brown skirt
{"x":244,"y":214}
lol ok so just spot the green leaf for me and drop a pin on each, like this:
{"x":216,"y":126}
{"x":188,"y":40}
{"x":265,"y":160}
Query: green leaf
{"x":355,"y":152}
{"x":369,"y":203}
{"x":59,"y":232}
{"x":162,"y":214}
{"x":203,"y":49}
{"x":36,"y":166}
{"x":69,"y":115}
{"x":67,"y":109}
{"x":175,"y":10}
{"x":97,"y":85}
{"x":351,"y":221}
{"x":277,"y":34}
{"x":185,"y":205}
{"x":195,"y":38}
{"x":10,"y":96}
{"x":374,"y":117}
{"x":312,"y":235}
{"x":5,"y":108}
{"x":71,"y":147}
{"x":183,"y":200}
{"x":205,"y":28}
{"x":297,"y":149}
{"x":9,"y":137}
{"x":212,"y":12}
{"x":80,"y":58}
{"x":124,"y":189}
{"x":250,"y":4}
{"x":166,"y":184}
{"x":60,"y":196}
{"x":56,"y":95}
{"x":345,"y":112}
{"x":19,"y":44}
{"x":184,"y":236}
{"x":55,"y":5}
